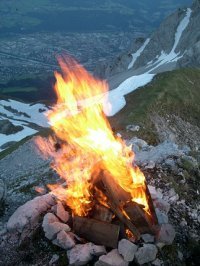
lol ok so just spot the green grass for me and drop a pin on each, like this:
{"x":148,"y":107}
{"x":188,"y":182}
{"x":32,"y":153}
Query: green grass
{"x":176,"y":92}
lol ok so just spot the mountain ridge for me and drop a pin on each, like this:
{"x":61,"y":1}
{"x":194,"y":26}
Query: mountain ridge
{"x":160,"y":44}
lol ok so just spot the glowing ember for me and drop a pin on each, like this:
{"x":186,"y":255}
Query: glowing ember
{"x":87,"y":143}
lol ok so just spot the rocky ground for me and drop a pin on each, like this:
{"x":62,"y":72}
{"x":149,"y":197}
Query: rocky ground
{"x":172,"y":170}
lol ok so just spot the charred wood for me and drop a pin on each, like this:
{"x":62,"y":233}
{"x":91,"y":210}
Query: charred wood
{"x":98,"y":232}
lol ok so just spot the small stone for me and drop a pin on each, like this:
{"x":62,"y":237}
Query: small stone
{"x":64,"y":240}
{"x":171,"y":193}
{"x":150,"y":165}
{"x":54,"y":260}
{"x":160,"y":245}
{"x":52,"y":226}
{"x":79,"y":255}
{"x":113,"y":258}
{"x":154,"y":193}
{"x":166,"y":234}
{"x":157,"y":262}
{"x":180,"y":255}
{"x":162,"y":217}
{"x":132,"y":128}
{"x":61,"y":213}
{"x":146,"y":254}
{"x":127,"y":249}
{"x":147,"y":238}
{"x":49,"y":218}
{"x":162,"y":205}
{"x":183,"y":223}
{"x":97,"y":250}
{"x":173,"y":199}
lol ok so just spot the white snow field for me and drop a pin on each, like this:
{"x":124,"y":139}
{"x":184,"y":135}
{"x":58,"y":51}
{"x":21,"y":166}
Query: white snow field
{"x":21,"y":114}
{"x":116,"y":100}
{"x":138,"y":53}
{"x":173,"y":56}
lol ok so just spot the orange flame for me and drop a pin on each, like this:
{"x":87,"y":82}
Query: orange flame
{"x":86,"y":139}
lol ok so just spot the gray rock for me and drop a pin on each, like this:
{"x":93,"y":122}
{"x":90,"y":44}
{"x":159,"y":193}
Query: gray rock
{"x":52,"y":226}
{"x":166,"y":234}
{"x":113,"y":258}
{"x":139,"y":142}
{"x":155,"y":194}
{"x":64,"y":240}
{"x":60,"y":212}
{"x":3,"y":191}
{"x":170,"y":164}
{"x":157,"y":262}
{"x":147,"y":238}
{"x":97,"y":250}
{"x":162,"y":217}
{"x":133,"y":128}
{"x":171,"y":193}
{"x":150,"y":165}
{"x":146,"y":254}
{"x":158,"y":154}
{"x":54,"y":260}
{"x":162,"y":205}
{"x":127,"y":249}
{"x":27,"y":216}
{"x":180,"y":255}
{"x":79,"y":255}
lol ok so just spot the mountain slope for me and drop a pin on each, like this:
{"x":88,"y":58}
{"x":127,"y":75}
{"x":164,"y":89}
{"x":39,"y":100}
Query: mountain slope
{"x":167,"y":108}
{"x":175,"y":44}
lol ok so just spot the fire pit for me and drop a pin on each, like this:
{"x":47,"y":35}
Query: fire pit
{"x":107,"y":194}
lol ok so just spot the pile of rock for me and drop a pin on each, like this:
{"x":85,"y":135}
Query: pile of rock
{"x":56,"y":224}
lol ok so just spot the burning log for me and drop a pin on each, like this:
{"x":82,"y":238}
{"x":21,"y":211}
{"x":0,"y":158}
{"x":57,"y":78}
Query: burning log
{"x":154,"y":218}
{"x":116,"y":193}
{"x":98,"y":232}
{"x":117,"y":197}
{"x":102,"y":213}
{"x":138,"y":217}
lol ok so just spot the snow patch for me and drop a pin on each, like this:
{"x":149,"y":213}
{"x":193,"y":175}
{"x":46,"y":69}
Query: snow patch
{"x":116,"y":100}
{"x":173,"y":56}
{"x":138,"y":53}
{"x":21,"y":114}
{"x":32,"y":112}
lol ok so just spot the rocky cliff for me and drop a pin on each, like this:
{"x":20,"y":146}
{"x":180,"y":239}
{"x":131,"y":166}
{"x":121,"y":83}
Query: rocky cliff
{"x":175,"y":44}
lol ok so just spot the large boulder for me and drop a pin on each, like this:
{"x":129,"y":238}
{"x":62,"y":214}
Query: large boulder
{"x":26,"y":218}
